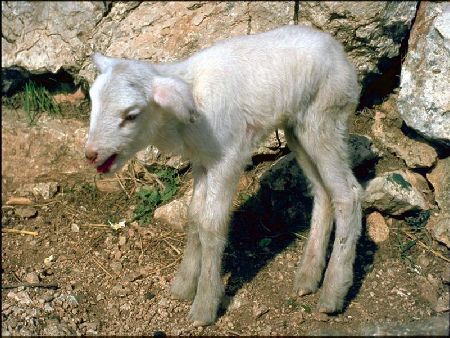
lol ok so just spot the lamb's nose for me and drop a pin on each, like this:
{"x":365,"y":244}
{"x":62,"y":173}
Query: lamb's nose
{"x":91,"y":154}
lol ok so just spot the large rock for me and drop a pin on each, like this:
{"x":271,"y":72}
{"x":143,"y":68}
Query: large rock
{"x":371,"y":31}
{"x":424,"y":98}
{"x":439,"y":224}
{"x":394,"y":193}
{"x":45,"y":36}
{"x":416,"y":154}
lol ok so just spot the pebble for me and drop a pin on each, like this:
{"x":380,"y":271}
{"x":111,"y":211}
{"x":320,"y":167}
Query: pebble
{"x":27,"y":212}
{"x":32,"y":278}
{"x":122,"y":240}
{"x":116,"y":266}
{"x":74,"y":227}
{"x":320,"y":316}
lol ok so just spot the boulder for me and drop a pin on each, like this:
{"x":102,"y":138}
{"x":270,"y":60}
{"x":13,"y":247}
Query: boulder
{"x":416,"y":154}
{"x":393,"y":193}
{"x":439,"y":178}
{"x":371,"y":31}
{"x":424,"y":97}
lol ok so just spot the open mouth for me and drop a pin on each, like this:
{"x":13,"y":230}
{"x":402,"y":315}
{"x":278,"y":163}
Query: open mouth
{"x":106,"y":166}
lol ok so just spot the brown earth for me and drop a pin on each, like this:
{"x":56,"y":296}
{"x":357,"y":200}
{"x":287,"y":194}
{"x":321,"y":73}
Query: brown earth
{"x":117,"y":281}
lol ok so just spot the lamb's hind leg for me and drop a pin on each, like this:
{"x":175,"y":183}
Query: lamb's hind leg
{"x":185,"y":284}
{"x":312,"y":263}
{"x":327,"y":147}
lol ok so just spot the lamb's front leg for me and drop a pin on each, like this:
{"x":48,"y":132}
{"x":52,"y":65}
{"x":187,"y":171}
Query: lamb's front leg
{"x":185,"y":284}
{"x":213,"y":232}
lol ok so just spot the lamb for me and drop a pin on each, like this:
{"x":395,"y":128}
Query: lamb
{"x":213,"y":108}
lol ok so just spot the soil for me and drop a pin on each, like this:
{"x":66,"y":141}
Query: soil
{"x":93,"y":279}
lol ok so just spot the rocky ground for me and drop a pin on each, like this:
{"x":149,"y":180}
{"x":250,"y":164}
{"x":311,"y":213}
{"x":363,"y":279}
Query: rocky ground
{"x":69,"y":267}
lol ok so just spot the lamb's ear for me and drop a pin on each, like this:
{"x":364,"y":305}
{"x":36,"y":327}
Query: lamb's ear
{"x":175,"y":96}
{"x":103,"y":63}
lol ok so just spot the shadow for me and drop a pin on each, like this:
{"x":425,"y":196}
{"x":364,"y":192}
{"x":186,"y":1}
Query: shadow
{"x":267,"y":223}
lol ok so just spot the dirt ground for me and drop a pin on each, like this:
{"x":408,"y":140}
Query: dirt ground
{"x":93,"y":279}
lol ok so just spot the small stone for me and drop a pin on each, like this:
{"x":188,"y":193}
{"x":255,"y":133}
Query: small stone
{"x":149,"y":295}
{"x":377,"y":228}
{"x":19,"y":201}
{"x":443,"y":304}
{"x":258,"y":311}
{"x":26,"y":212}
{"x":122,"y":240}
{"x":74,"y":227}
{"x":174,"y":213}
{"x":108,"y":185}
{"x":320,"y":316}
{"x":116,"y":266}
{"x":32,"y":278}
{"x":100,"y":297}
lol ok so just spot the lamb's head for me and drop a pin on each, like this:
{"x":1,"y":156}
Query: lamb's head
{"x":131,"y":103}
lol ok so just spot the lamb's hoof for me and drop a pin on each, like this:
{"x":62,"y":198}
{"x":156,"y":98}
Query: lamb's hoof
{"x":304,"y":292}
{"x":329,"y":306}
{"x":183,"y":290}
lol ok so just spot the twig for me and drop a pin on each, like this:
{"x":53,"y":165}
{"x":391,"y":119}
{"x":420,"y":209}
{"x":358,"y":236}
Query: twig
{"x":169,"y":244}
{"x":31,"y":285}
{"x":101,"y":266}
{"x":23,"y":232}
{"x":425,"y":246}
{"x":95,"y":225}
{"x":299,"y":236}
{"x":171,"y":264}
{"x":121,"y":185}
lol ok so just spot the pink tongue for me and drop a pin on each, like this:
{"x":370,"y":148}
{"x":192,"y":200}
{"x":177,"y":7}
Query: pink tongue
{"x":104,"y":168}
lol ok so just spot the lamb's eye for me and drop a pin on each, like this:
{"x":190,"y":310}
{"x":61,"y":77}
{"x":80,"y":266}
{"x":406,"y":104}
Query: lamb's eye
{"x":131,"y":117}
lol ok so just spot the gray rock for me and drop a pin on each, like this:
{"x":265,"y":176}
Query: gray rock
{"x":435,"y":326}
{"x":394,"y":193}
{"x":369,"y":30}
{"x":26,"y":212}
{"x":424,"y":89}
{"x":362,"y":150}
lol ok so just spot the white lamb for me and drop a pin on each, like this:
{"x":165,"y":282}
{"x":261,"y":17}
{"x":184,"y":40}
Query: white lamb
{"x":214,"y":108}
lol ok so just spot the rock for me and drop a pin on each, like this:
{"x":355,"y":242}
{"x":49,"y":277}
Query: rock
{"x":361,"y":149}
{"x":108,"y":185}
{"x":426,"y":70}
{"x":440,"y":180}
{"x":19,"y":201}
{"x":122,"y":240}
{"x":45,"y":190}
{"x":377,"y":228}
{"x":22,"y":297}
{"x":320,"y":317}
{"x":258,"y":311}
{"x":443,"y":303}
{"x":74,"y":227}
{"x":26,"y":212}
{"x":116,"y":266}
{"x":394,"y":194}
{"x":32,"y":278}
{"x":371,"y":31}
{"x":439,"y":226}
{"x":272,"y":144}
{"x":415,"y":154}
{"x":174,"y":213}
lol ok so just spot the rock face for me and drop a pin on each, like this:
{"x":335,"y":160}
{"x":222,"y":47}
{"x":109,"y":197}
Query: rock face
{"x":371,"y":31}
{"x":424,"y":98}
{"x":45,"y":36}
{"x":394,"y":193}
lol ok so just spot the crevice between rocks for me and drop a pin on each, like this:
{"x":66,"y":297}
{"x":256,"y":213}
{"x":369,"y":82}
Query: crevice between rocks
{"x":376,"y":87}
